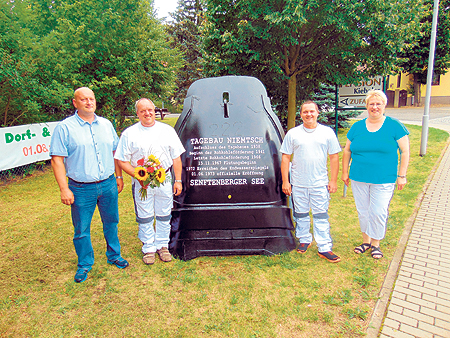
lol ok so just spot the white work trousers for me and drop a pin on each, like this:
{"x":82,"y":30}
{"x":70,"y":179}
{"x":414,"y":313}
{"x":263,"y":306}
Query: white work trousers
{"x":317,"y":200}
{"x":158,"y":204}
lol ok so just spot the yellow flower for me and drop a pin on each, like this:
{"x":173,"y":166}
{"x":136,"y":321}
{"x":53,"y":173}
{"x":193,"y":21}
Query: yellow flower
{"x":140,"y":173}
{"x":161,"y":175}
{"x":154,"y":159}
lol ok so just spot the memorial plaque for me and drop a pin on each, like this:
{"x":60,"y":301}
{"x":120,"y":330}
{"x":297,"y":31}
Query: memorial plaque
{"x":232,"y":202}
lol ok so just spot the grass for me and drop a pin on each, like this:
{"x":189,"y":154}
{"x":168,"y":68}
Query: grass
{"x":287,"y":295}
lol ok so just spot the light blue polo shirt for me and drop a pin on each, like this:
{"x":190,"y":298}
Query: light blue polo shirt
{"x":87,"y":147}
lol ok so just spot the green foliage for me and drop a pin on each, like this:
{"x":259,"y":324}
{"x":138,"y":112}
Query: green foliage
{"x":413,"y":58}
{"x":294,"y":46}
{"x":325,"y":97}
{"x":115,"y":47}
{"x":185,"y":32}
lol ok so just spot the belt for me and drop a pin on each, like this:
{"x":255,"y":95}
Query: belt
{"x":91,"y":182}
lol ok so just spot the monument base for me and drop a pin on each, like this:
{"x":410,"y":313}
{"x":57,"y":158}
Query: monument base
{"x":231,"y":231}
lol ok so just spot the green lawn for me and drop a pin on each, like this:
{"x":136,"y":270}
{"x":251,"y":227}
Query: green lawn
{"x":287,"y":295}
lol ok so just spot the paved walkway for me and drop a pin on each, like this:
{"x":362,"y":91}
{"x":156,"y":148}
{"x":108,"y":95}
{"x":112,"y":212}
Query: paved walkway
{"x":418,"y":280}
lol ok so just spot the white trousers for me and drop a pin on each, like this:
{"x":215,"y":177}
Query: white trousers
{"x":317,"y":200}
{"x":372,"y":203}
{"x":158,"y":204}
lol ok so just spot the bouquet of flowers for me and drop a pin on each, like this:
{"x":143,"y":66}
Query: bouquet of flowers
{"x":151,"y":173}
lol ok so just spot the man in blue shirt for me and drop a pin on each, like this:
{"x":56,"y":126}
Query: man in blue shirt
{"x":82,"y":149}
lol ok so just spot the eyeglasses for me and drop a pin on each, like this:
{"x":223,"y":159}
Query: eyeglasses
{"x":376,"y":104}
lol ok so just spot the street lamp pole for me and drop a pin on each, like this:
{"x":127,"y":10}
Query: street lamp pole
{"x":426,"y":113}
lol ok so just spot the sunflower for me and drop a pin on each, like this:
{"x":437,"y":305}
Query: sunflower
{"x":161,"y":175}
{"x":140,"y":173}
{"x":154,"y":159}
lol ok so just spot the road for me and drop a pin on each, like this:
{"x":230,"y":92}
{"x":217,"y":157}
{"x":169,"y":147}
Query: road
{"x":438,"y":114}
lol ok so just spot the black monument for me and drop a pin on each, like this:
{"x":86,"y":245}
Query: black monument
{"x":232,"y":202}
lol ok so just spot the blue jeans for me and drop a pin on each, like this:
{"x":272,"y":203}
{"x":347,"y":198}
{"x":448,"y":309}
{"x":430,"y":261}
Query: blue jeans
{"x":87,"y":197}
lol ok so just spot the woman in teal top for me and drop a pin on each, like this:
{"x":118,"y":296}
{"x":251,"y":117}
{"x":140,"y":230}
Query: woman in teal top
{"x":372,"y":145}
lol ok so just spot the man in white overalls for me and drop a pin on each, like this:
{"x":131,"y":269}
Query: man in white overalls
{"x":145,"y":138}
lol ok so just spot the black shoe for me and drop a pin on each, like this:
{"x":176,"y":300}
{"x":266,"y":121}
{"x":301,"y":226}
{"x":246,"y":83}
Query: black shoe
{"x":302,"y":247}
{"x":80,"y":276}
{"x":330,"y":256}
{"x":119,"y":262}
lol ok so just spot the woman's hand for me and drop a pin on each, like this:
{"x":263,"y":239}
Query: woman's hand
{"x":401,"y":182}
{"x":345,"y":178}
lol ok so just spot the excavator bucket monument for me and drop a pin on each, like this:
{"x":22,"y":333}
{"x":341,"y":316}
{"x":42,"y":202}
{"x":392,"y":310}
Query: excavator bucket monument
{"x":232,"y":202}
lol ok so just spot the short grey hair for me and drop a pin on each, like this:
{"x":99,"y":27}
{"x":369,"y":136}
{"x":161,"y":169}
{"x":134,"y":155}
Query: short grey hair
{"x":376,"y":93}
{"x":141,"y":99}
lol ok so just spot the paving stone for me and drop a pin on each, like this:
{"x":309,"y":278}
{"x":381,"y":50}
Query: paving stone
{"x":443,"y":324}
{"x":417,"y":332}
{"x":392,"y":323}
{"x":407,"y":291}
{"x":419,"y":316}
{"x":442,"y":308}
{"x":423,"y":289}
{"x":396,"y":308}
{"x":444,"y":295}
{"x":402,"y":319}
{"x":399,"y":295}
{"x":409,"y":280}
{"x":393,"y":333}
{"x":421,"y":302}
{"x":434,"y":329}
{"x":424,"y":279}
{"x":437,"y":300}
{"x":405,"y":304}
{"x":420,"y":299}
{"x":413,"y":271}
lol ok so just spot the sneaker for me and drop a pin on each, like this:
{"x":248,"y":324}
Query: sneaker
{"x":330,"y":256}
{"x":119,"y":262}
{"x":302,"y":247}
{"x":149,"y":258}
{"x":164,"y":254}
{"x":80,"y":276}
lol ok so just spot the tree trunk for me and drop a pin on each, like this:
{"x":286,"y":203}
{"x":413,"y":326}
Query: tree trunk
{"x":292,"y":101}
{"x":417,"y":92}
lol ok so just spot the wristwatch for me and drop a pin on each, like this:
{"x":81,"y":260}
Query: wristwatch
{"x":179,"y":181}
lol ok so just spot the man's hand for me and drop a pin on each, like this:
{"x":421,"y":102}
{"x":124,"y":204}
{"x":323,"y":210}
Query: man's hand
{"x":119,"y":184}
{"x":332,"y":187}
{"x":142,"y":184}
{"x":177,"y":188}
{"x":67,"y":197}
{"x":287,"y":188}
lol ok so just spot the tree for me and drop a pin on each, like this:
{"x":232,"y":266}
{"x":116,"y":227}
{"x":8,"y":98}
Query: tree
{"x":304,"y":43}
{"x":186,"y":37}
{"x":18,"y":86}
{"x":325,"y":97}
{"x":115,"y":47}
{"x":413,"y":58}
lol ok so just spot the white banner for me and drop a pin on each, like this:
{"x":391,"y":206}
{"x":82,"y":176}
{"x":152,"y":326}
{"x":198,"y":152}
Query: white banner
{"x":26,"y":144}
